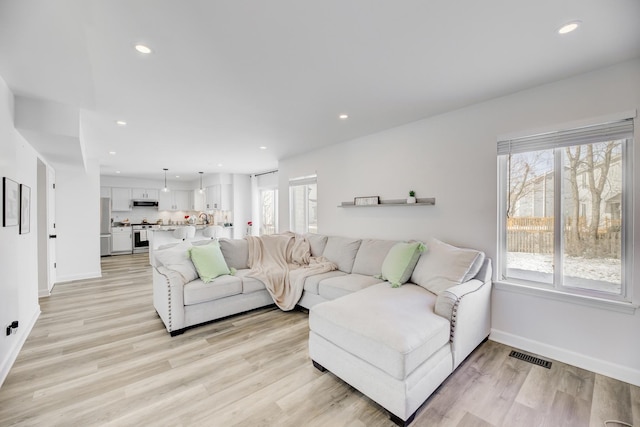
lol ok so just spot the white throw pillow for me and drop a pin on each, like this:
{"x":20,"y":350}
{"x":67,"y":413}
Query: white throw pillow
{"x":442,"y":266}
{"x":177,"y":258}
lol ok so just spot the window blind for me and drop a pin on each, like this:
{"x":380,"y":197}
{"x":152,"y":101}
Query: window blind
{"x":586,"y":135}
{"x":303,"y":180}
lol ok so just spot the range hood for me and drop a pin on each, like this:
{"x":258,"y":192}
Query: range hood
{"x":145,"y":203}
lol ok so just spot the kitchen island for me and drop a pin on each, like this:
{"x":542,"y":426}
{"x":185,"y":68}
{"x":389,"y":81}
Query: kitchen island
{"x":163,"y":235}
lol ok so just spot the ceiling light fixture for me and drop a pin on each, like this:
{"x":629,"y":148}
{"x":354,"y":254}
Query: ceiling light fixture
{"x":143,"y":49}
{"x":121,"y":123}
{"x":569,"y":27}
{"x":165,"y":189}
{"x":263,"y":147}
{"x":343,"y":116}
{"x":117,"y":171}
{"x":113,"y":153}
{"x":201,"y":189}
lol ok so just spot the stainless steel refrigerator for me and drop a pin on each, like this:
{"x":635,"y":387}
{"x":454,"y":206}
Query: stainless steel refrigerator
{"x":105,"y":226}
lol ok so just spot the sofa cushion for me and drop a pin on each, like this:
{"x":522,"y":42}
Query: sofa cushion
{"x":370,"y":256}
{"x":311,"y":283}
{"x":197,"y":291}
{"x":393,"y":329}
{"x":342,"y":251}
{"x":336,"y":287}
{"x":317,"y":243}
{"x":442,"y":266}
{"x":209,"y":261}
{"x":177,"y":258}
{"x":236,"y":252}
{"x":400,"y":262}
{"x":249,"y":284}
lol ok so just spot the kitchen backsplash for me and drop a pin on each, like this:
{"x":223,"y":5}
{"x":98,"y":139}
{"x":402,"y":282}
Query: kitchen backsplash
{"x":139,"y":214}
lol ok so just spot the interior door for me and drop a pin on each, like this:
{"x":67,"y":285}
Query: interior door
{"x":51,"y":226}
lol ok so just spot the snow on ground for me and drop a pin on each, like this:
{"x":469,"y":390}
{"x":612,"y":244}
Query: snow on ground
{"x":596,"y":269}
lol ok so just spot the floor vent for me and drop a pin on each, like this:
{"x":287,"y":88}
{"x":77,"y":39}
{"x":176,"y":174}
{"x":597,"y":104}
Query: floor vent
{"x":531,"y":359}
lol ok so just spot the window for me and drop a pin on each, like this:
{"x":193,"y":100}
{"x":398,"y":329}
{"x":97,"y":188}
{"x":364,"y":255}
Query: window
{"x":268,"y":211}
{"x":565,"y":210}
{"x":303,"y":203}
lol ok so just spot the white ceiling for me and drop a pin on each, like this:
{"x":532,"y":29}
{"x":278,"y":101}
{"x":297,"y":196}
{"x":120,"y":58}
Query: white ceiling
{"x":226,"y":77}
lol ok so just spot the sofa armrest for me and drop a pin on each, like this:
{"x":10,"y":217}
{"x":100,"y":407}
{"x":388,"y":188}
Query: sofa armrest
{"x":168,"y":297}
{"x":468,"y":308}
{"x":448,"y":300}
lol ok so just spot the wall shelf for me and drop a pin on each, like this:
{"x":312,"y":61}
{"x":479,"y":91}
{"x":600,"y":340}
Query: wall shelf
{"x":429,"y":201}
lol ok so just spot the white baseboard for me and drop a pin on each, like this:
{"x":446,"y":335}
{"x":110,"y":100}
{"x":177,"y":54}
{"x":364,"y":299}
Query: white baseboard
{"x":43,"y":293}
{"x":8,"y":362}
{"x":599,"y":366}
{"x":70,"y":278}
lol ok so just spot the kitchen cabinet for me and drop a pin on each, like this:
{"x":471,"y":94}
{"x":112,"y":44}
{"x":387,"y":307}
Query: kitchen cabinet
{"x":121,"y":240}
{"x":144,"y":194}
{"x":226,"y":197}
{"x":198,"y":200}
{"x":174,"y":200}
{"x":212,"y":197}
{"x":121,"y":199}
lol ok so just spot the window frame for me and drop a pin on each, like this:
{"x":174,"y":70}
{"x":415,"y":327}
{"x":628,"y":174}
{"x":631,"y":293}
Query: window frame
{"x":296,"y":182}
{"x":557,"y":289}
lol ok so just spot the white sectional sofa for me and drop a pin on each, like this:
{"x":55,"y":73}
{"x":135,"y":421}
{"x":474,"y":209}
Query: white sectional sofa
{"x":395,"y":345}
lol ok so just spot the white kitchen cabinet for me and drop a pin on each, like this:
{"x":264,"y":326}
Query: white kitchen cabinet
{"x":226,"y":197}
{"x":121,"y":240}
{"x":121,"y":199}
{"x":144,"y":194}
{"x":212,"y":197}
{"x":198,"y":202}
{"x":174,"y":200}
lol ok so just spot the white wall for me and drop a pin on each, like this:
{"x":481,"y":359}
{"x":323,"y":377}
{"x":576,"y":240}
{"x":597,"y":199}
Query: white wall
{"x":241,"y":204}
{"x":18,"y":252}
{"x":78,"y":222}
{"x":452,"y":157}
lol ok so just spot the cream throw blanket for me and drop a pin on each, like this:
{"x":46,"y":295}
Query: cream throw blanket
{"x":283,"y":262}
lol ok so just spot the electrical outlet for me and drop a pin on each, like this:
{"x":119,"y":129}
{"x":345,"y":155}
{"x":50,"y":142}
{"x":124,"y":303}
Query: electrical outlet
{"x":10,"y":328}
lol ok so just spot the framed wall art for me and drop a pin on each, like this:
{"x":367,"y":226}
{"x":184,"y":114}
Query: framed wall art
{"x":366,"y":201}
{"x":25,"y":209}
{"x":10,"y":206}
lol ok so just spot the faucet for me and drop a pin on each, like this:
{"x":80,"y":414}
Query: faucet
{"x":206,"y":217}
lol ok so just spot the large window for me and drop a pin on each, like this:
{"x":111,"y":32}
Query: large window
{"x":268,"y":211}
{"x":565,"y":210}
{"x":303,"y":203}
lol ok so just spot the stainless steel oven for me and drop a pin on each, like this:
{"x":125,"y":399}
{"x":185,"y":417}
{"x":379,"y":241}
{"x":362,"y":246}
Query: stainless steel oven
{"x":140,"y":237}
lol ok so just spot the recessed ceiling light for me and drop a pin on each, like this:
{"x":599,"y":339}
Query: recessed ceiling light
{"x":113,"y":153}
{"x":569,"y":27}
{"x":121,"y":123}
{"x":219,"y":165}
{"x":177,"y":176}
{"x":117,"y":171}
{"x":343,"y":116}
{"x":143,"y":49}
{"x":263,"y":147}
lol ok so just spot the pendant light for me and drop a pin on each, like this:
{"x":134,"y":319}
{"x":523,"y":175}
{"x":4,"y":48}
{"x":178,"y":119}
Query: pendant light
{"x":165,"y":189}
{"x":201,"y":189}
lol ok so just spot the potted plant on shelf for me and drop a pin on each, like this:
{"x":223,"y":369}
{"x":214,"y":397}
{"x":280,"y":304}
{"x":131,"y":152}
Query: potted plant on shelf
{"x":412,"y":197}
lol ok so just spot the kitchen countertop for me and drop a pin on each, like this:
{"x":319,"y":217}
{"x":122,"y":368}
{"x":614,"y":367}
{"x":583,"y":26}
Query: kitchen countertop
{"x":174,"y":226}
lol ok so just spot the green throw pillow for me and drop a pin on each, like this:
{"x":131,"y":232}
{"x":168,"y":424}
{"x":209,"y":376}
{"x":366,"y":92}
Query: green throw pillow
{"x":209,"y":261}
{"x":400,"y":262}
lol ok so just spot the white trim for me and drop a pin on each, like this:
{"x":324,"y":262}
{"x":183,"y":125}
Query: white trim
{"x":574,"y":124}
{"x":71,"y":278}
{"x":598,"y":366}
{"x":556,"y":295}
{"x":44,"y":293}
{"x":8,"y":362}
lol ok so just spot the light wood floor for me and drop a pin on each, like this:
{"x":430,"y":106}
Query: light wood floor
{"x":99,"y":355}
